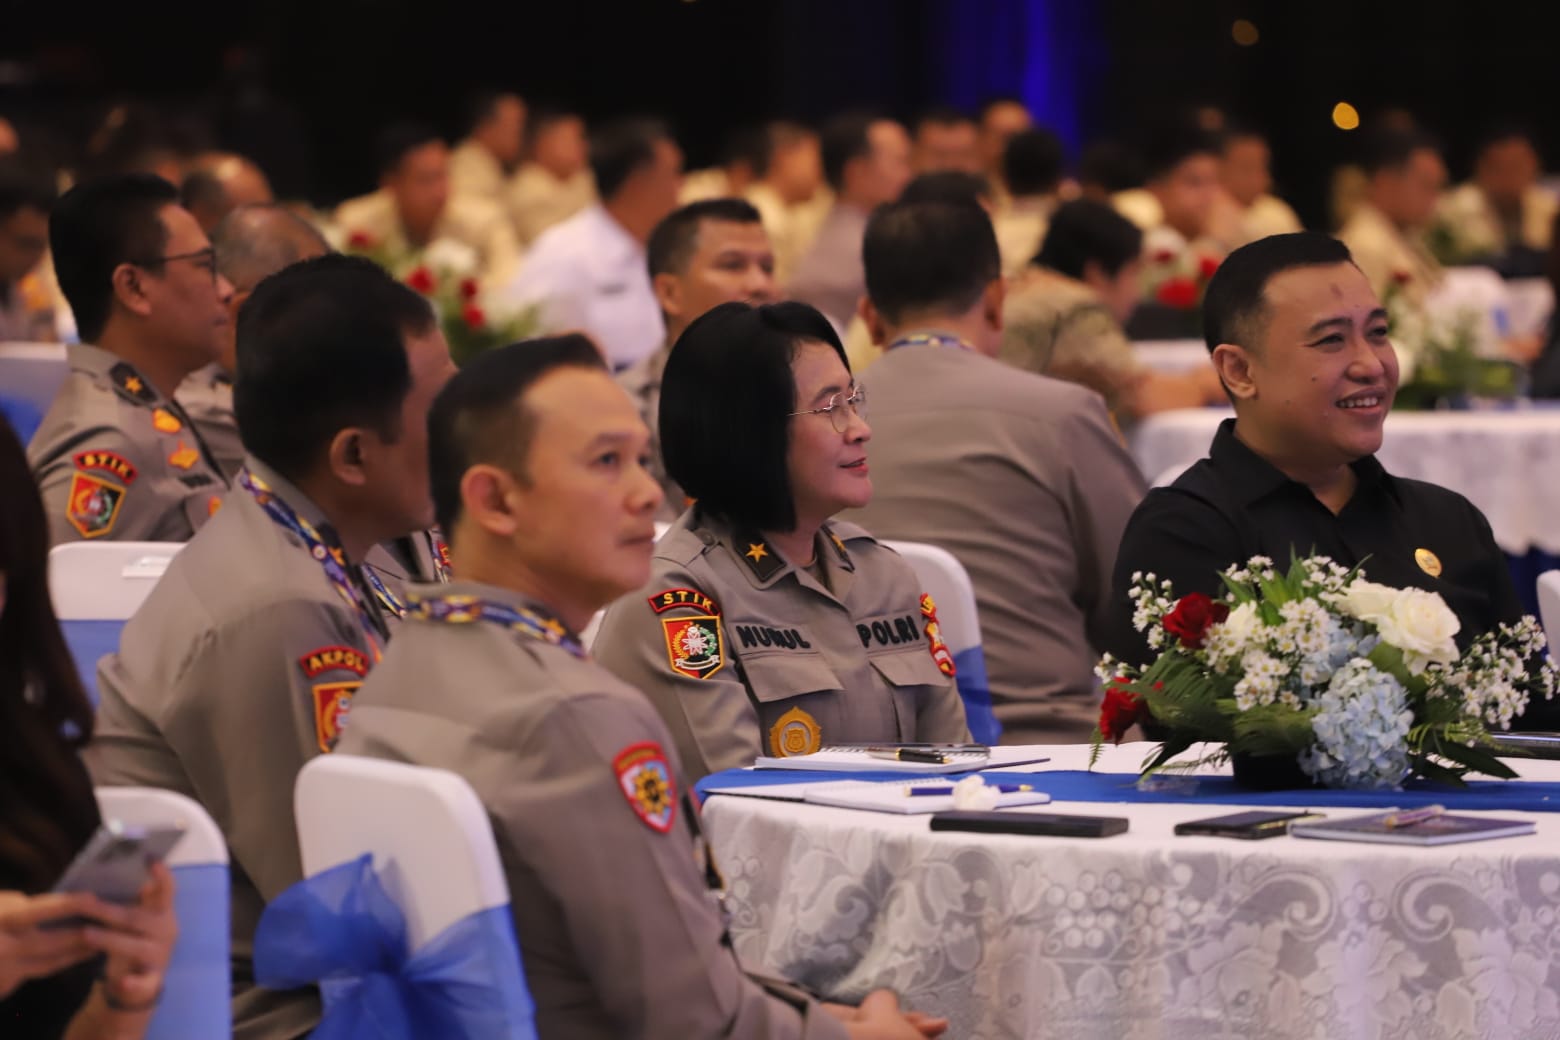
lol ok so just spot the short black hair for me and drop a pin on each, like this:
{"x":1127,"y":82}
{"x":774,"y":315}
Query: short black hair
{"x":947,"y":186}
{"x":201,"y":188}
{"x":479,"y":106}
{"x":1032,"y":162}
{"x":1391,"y":148}
{"x":943,"y":115}
{"x":321,"y":347}
{"x":1112,"y":165}
{"x":845,"y":137}
{"x":726,"y":398}
{"x":98,"y":225}
{"x":924,"y":257}
{"x":1239,"y":130}
{"x":479,"y":416}
{"x":1502,"y":131}
{"x":1235,"y":304}
{"x":676,"y":238}
{"x":398,"y":140}
{"x":748,"y":144}
{"x":620,"y":148}
{"x":1085,"y":231}
{"x":24,"y":186}
{"x":1171,"y":144}
{"x":543,"y":118}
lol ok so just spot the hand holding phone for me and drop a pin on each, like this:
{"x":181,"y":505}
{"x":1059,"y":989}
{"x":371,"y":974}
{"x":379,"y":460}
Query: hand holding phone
{"x":115,"y":864}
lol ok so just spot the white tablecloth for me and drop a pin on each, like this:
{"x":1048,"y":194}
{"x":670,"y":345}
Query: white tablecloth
{"x":1171,"y":356}
{"x":1503,"y":462}
{"x":1146,"y":935}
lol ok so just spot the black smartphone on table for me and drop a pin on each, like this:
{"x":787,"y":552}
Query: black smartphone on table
{"x":1250,"y":826}
{"x":1057,"y":825}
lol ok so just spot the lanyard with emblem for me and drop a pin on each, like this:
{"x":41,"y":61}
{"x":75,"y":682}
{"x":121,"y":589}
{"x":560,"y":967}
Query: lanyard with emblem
{"x":440,"y":551}
{"x":453,"y":609}
{"x":935,"y":339}
{"x":327,"y":552}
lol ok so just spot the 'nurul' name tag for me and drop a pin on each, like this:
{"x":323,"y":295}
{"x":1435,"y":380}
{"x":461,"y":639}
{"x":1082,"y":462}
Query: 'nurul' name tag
{"x":752,"y":636}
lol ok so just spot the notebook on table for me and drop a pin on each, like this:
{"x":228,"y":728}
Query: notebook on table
{"x":1442,"y":829}
{"x":890,"y":796}
{"x":859,"y":758}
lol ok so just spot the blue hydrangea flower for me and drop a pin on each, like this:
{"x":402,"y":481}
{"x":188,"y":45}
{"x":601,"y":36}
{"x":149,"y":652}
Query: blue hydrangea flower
{"x":1361,"y":729}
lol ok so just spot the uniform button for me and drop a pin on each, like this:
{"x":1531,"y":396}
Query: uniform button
{"x":706,"y":538}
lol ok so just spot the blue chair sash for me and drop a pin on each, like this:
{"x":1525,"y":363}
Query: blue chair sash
{"x":975,"y":692}
{"x":340,"y":930}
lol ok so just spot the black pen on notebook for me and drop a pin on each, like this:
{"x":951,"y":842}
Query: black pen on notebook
{"x":909,"y":754}
{"x":922,"y":792}
{"x":1409,"y":817}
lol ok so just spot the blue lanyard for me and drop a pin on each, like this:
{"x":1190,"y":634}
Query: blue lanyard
{"x":326,"y":550}
{"x":935,"y":339}
{"x":450,"y":609}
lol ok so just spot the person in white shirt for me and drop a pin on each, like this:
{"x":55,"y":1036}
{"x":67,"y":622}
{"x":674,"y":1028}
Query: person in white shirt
{"x":588,"y":273}
{"x":480,"y":166}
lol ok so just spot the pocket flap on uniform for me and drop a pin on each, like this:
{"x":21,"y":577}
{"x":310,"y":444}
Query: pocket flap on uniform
{"x":912,"y":667}
{"x":777,"y":677}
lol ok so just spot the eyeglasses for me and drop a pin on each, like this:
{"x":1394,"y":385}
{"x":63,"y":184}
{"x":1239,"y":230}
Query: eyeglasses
{"x":206,"y":258}
{"x":840,"y":408}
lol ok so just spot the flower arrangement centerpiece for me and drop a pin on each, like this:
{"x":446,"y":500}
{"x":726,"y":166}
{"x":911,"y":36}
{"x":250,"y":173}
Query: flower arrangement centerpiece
{"x":1359,"y":684}
{"x":1438,"y":357}
{"x":1175,"y":278}
{"x":446,"y":273}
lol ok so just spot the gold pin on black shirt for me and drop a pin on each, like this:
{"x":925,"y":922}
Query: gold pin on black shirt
{"x":1428,"y":562}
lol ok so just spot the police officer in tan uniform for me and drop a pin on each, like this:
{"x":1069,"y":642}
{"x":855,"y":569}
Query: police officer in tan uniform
{"x":241,"y":664}
{"x":116,"y":457}
{"x":252,"y":242}
{"x":615,"y":898}
{"x":765,"y":628}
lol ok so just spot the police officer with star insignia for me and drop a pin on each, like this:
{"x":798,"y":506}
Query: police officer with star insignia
{"x":539,"y":477}
{"x":243,"y":661}
{"x":767,"y":628}
{"x":116,"y":456}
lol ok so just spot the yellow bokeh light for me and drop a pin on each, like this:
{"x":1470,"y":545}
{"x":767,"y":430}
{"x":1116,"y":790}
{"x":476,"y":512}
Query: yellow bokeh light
{"x":1245,"y":32}
{"x":1345,"y":116}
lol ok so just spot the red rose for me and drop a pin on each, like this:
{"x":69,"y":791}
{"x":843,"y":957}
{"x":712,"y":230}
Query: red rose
{"x":1206,"y":266}
{"x":469,"y":288}
{"x":421,"y":279}
{"x":1163,"y":256}
{"x":360,"y":240}
{"x":1401,"y":277}
{"x":1120,"y":710}
{"x":473,"y":316}
{"x":1193,"y":615}
{"x":1180,"y":293}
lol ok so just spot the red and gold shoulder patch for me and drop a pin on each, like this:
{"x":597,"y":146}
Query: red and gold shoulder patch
{"x":92,"y":505}
{"x":694,"y":645}
{"x":334,"y":658}
{"x":941,"y":655}
{"x":106,"y":462}
{"x":666,"y":599}
{"x":332,"y":701}
{"x":646,"y":781}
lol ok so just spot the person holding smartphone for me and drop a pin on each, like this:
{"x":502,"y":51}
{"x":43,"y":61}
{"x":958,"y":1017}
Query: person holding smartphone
{"x":71,"y":965}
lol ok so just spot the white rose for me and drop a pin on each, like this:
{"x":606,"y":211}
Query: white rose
{"x":1420,"y":624}
{"x":1367,"y":600}
{"x":449,"y":257}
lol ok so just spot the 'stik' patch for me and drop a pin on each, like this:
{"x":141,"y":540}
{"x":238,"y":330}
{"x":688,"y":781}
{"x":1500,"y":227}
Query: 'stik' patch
{"x":666,"y":599}
{"x":106,"y":462}
{"x":93,"y":505}
{"x":646,"y":781}
{"x":332,"y":701}
{"x":940,"y":652}
{"x":694,"y":645}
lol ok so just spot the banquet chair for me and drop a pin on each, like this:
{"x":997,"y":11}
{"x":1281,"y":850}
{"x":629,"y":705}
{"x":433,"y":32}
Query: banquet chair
{"x":1549,"y":606}
{"x":30,"y":375}
{"x":431,"y":843}
{"x":96,"y":587}
{"x":197,"y":997}
{"x":943,"y":577}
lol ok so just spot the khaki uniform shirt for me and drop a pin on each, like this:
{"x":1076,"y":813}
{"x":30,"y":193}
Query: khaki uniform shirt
{"x":830,"y":275}
{"x":475,"y":174}
{"x":1388,"y":255}
{"x":115,"y":459}
{"x":1024,"y":480}
{"x":207,"y":397}
{"x":619,"y":935}
{"x":1021,"y":226}
{"x":791,"y":228}
{"x":538,"y":200}
{"x":643,"y":383}
{"x":237,"y":670}
{"x":1055,"y":326}
{"x":480,"y":226}
{"x":745,"y":655}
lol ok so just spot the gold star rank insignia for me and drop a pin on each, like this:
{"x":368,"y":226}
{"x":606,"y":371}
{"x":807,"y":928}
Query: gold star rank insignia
{"x":756,"y":551}
{"x":134,"y":384}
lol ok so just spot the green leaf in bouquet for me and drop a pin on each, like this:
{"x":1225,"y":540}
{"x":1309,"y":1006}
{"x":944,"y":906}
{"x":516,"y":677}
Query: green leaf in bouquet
{"x":1472,"y":759}
{"x":1174,"y":744}
{"x":1422,"y":766}
{"x":1242,"y":591}
{"x":1269,"y":729}
{"x":1389,"y":659}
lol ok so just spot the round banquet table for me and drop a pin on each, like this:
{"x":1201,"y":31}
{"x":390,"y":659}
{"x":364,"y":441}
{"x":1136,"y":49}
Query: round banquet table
{"x":1145,"y":935}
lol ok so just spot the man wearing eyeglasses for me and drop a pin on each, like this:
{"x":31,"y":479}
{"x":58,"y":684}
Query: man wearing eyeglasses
{"x":116,"y":456}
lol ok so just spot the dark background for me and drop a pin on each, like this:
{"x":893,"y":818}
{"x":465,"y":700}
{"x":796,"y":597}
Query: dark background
{"x":305,"y":85}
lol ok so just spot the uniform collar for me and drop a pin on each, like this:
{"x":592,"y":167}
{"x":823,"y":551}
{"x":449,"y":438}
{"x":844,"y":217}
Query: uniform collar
{"x":288,"y":492}
{"x":126,"y":380}
{"x":1255,"y":478}
{"x":491,"y":593}
{"x":765,"y":567}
